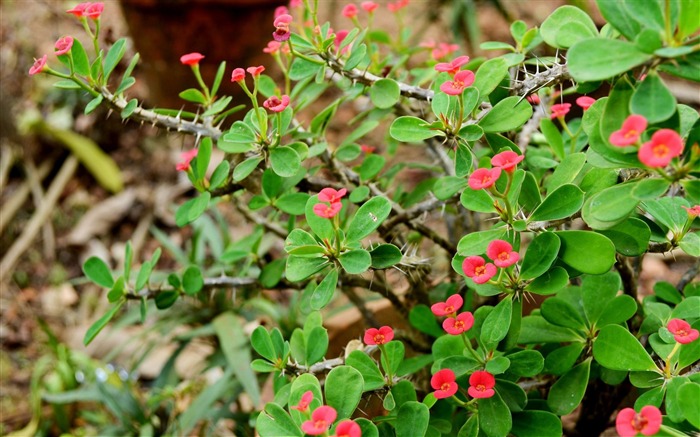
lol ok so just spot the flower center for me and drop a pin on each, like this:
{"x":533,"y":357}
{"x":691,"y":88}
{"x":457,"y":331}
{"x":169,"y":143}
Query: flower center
{"x":320,"y":424}
{"x":379,"y":339}
{"x":639,"y":422}
{"x":681,"y":332}
{"x":449,"y":309}
{"x":660,"y":150}
{"x":486,"y":179}
{"x":478,"y":271}
{"x":459,"y":324}
{"x":445,"y":386}
{"x":503,"y":256}
{"x":631,"y":133}
{"x":480,"y":387}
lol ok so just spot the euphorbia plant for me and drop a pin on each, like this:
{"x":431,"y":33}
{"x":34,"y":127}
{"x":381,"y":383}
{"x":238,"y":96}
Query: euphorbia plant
{"x":525,"y":201}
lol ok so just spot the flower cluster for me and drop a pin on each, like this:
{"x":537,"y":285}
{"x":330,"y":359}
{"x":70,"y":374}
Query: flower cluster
{"x":332,"y":197}
{"x":501,"y":253}
{"x":454,"y":324}
{"x":440,"y":50}
{"x":481,"y":384}
{"x":665,"y":144}
{"x":461,"y":79}
{"x":485,"y":178}
{"x":374,"y":336}
{"x":87,"y":10}
{"x":322,"y":419}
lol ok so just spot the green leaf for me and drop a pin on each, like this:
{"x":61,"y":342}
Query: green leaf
{"x":274,"y":422}
{"x":448,"y":186}
{"x":630,"y":237}
{"x":234,"y":345}
{"x":368,"y":218}
{"x":560,"y":312}
{"x":292,"y":203}
{"x":412,"y":419}
{"x":285,"y":161}
{"x":371,"y":166}
{"x":689,"y":308}
{"x":193,"y":95}
{"x":566,"y":394}
{"x":240,"y":138}
{"x":535,"y":329}
{"x":561,"y":360}
{"x":98,"y":272}
{"x":166,"y":299}
{"x":470,"y":427}
{"x":67,"y":85}
{"x":616,"y":14}
{"x":600,"y":58}
{"x":343,"y":388}
{"x":549,"y":282}
{"x":689,"y":394}
{"x":508,"y":114}
{"x":409,"y":129}
{"x":525,"y":363}
{"x":192,"y":209}
{"x":688,"y":24}
{"x":80,"y":59}
{"x":566,"y":26}
{"x":653,"y":100}
{"x":262,"y":343}
{"x":567,"y":171}
{"x":384,"y":93}
{"x":96,"y":327}
{"x":497,"y":365}
{"x":355,"y":261}
{"x":617,"y":349}
{"x":323,"y":293}
{"x":475,"y":243}
{"x":192,"y":281}
{"x":93,"y":104}
{"x":372,"y":376}
{"x":385,"y":256}
{"x":496,"y":324}
{"x":301,"y":69}
{"x":423,"y":320}
{"x":392,"y":356}
{"x":489,"y":76}
{"x":301,"y":267}
{"x":494,"y":416}
{"x":597,"y":292}
{"x":563,"y":202}
{"x":320,"y":226}
{"x":648,"y":14}
{"x":650,"y":189}
{"x":356,"y":57}
{"x":540,"y":254}
{"x":359,"y":194}
{"x":114,"y":55}
{"x":477,"y":201}
{"x":618,"y":310}
{"x":536,"y":424}
{"x":586,"y":251}
{"x":691,"y":244}
{"x":610,"y":206}
{"x":316,"y":344}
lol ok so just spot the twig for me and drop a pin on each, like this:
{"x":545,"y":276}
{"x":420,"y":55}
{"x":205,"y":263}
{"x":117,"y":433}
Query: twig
{"x":38,"y":196}
{"x":255,"y":218}
{"x":360,"y":305}
{"x":629,"y":279}
{"x":14,"y":203}
{"x":545,"y":224}
{"x":7,"y":158}
{"x":689,"y":275}
{"x":40,"y":216}
{"x":218,"y":282}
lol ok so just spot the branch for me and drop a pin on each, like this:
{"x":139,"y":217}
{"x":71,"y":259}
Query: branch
{"x":553,"y":75}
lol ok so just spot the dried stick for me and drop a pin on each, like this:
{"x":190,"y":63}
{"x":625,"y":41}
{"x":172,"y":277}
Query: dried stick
{"x":38,"y":196}
{"x":10,"y":208}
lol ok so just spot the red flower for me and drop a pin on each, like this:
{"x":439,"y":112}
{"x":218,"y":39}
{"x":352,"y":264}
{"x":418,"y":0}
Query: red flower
{"x":255,"y":71}
{"x":330,"y":195}
{"x":275,"y":104}
{"x":79,"y":9}
{"x":304,"y":402}
{"x":533,"y":98}
{"x":502,"y":254}
{"x":560,"y":110}
{"x":484,"y":178}
{"x":630,"y":131}
{"x":327,"y":211}
{"x":238,"y":75}
{"x":585,"y":102}
{"x":462,"y":323}
{"x":476,"y":268}
{"x":321,"y":419}
{"x":461,"y":80}
{"x":629,"y":423}
{"x":38,"y":66}
{"x":94,"y":10}
{"x":453,"y":66}
{"x":369,"y":6}
{"x":444,"y":383}
{"x":348,"y":428}
{"x":694,"y":211}
{"x":281,"y":24}
{"x":481,"y":384}
{"x":63,"y":45}
{"x":444,"y":49}
{"x":450,"y":306}
{"x":367,"y":149}
{"x":272,"y":47}
{"x":191,"y":58}
{"x":665,"y":145}
{"x":281,"y":10}
{"x":682,"y":332}
{"x":507,"y":160}
{"x":376,"y":336}
{"x":350,"y":11}
{"x":186,"y":157}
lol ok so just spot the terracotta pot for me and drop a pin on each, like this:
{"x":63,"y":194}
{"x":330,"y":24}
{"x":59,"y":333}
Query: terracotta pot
{"x":234,"y":31}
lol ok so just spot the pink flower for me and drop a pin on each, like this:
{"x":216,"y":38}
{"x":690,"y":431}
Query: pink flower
{"x":629,"y":423}
{"x":462,"y":323}
{"x":330,"y":195}
{"x":444,"y":49}
{"x":585,"y":102}
{"x":502,"y":254}
{"x":693,"y":211}
{"x":79,"y":9}
{"x":275,"y":104}
{"x":630,"y":131}
{"x":560,"y":110}
{"x":444,"y":383}
{"x":395,"y":7}
{"x":272,"y":47}
{"x":296,"y":3}
{"x":63,"y":45}
{"x":191,"y":58}
{"x":665,"y":145}
{"x":481,"y":384}
{"x":327,"y":211}
{"x":507,"y":160}
{"x":450,"y":306}
{"x":533,"y":98}
{"x":304,"y":402}
{"x":367,"y":149}
{"x":484,"y":178}
{"x":321,"y":419}
{"x":682,"y":332}
{"x":38,"y":66}
{"x":238,"y":75}
{"x":350,"y":11}
{"x":186,"y":158}
{"x":281,"y":10}
{"x":339,"y":38}
{"x":453,"y":66}
{"x":461,"y":80}
{"x":369,"y":6}
{"x":476,"y":268}
{"x":281,"y":24}
{"x":379,"y":336}
{"x":94,"y":10}
{"x":348,"y":428}
{"x":255,"y":71}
